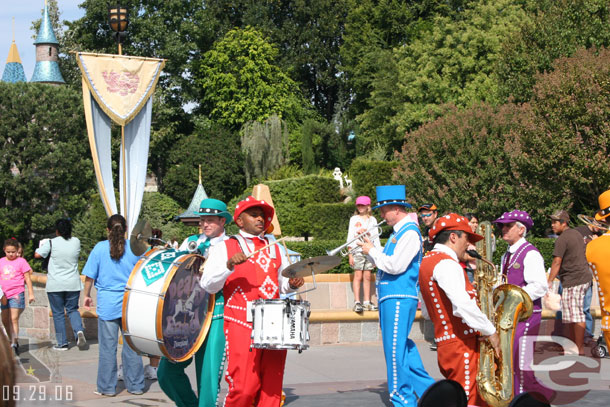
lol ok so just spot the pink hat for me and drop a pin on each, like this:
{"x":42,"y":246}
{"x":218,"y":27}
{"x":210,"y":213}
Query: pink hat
{"x":363,"y":200}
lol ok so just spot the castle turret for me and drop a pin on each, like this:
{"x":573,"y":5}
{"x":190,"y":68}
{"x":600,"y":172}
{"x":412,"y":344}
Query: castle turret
{"x":47,"y":49}
{"x":13,"y":70}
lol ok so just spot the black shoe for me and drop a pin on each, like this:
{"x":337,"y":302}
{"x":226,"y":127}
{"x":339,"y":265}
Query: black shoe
{"x":433,"y":347}
{"x":15,"y":347}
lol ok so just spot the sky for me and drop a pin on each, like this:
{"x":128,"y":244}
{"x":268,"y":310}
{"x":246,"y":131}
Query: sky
{"x":26,"y":11}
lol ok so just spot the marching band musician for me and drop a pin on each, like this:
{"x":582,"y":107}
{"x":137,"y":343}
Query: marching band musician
{"x":451,"y":299}
{"x":246,"y":273}
{"x":397,"y":287}
{"x":599,"y":263}
{"x":209,"y":358}
{"x":523,"y":266}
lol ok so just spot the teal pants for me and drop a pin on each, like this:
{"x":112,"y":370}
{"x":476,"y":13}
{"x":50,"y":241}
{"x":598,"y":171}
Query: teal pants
{"x":209,"y":365}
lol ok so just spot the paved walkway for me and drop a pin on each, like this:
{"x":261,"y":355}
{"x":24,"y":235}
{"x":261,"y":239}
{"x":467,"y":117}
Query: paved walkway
{"x":333,"y":375}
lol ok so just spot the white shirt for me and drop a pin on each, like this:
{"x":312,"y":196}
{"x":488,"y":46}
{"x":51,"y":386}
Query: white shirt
{"x":450,"y":277}
{"x":407,"y":247}
{"x":202,"y":238}
{"x":215,"y":271}
{"x":368,"y":223}
{"x":533,"y":271}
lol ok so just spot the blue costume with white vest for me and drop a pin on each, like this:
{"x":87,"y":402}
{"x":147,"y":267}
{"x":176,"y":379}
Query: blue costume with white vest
{"x":397,"y":294}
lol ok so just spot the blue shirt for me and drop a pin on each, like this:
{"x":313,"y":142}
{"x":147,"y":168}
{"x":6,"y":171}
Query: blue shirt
{"x":110,"y":278}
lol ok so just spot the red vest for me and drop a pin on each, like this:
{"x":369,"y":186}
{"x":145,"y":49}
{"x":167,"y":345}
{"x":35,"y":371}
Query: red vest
{"x":447,"y":327}
{"x":254,"y":279}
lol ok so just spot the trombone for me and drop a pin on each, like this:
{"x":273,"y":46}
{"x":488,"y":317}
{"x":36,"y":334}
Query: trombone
{"x":343,"y":249}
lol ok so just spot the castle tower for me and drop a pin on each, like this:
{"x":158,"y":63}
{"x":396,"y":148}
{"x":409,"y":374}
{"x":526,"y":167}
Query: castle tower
{"x":47,"y":47}
{"x":13,"y":70}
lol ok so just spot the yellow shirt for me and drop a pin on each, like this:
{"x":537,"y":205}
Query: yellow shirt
{"x":598,"y":256}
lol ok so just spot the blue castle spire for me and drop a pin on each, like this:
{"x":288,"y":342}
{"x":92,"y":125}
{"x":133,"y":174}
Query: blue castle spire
{"x":13,"y":70}
{"x":47,"y":47}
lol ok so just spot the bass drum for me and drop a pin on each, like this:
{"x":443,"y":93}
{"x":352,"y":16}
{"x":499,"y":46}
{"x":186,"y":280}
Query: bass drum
{"x":165,"y":310}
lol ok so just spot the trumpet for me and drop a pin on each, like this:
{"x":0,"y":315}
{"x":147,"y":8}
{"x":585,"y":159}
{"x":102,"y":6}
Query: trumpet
{"x":343,"y":249}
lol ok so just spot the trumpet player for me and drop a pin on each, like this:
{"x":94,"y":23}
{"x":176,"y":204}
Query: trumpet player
{"x":397,"y":288}
{"x":523,"y":266}
{"x":451,"y":300}
{"x":213,"y":216}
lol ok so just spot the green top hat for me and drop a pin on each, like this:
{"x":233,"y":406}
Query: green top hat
{"x":214,"y":207}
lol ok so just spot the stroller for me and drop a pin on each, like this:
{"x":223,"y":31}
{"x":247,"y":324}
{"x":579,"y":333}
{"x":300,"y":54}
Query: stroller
{"x":600,"y":350}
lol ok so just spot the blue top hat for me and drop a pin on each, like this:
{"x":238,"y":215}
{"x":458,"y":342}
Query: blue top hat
{"x":391,"y":195}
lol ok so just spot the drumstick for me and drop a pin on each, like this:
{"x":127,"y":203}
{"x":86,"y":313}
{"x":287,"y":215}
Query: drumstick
{"x":263,"y":248}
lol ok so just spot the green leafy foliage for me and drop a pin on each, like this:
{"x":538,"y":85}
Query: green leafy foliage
{"x":332,"y":223}
{"x":242,"y":82}
{"x":291,"y":195}
{"x":160,"y":210}
{"x":264,"y":146}
{"x":366,"y":175}
{"x":46,"y":172}
{"x":461,"y":162}
{"x":452,"y":61}
{"x":90,"y":227}
{"x":561,"y":148}
{"x":557,"y":29}
{"x":217,"y":151}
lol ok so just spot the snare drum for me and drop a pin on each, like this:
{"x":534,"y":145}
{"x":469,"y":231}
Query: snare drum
{"x":280,"y":324}
{"x":165,"y":310}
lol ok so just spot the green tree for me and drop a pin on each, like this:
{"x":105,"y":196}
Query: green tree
{"x":218,"y":152}
{"x":561,"y":152}
{"x":451,"y":62}
{"x":264,"y":146}
{"x":46,"y":170}
{"x":461,"y":161}
{"x":241,"y":82}
{"x":557,"y":29}
{"x":373,"y":28}
{"x":308,"y":35}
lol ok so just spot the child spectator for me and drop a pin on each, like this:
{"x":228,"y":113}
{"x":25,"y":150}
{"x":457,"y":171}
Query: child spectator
{"x":361,"y":221}
{"x":14,"y":272}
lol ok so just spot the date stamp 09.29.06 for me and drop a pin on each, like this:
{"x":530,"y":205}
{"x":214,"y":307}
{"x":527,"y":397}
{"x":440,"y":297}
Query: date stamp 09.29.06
{"x":40,"y":392}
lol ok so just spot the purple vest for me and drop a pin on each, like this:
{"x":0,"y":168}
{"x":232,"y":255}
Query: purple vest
{"x":515,"y":269}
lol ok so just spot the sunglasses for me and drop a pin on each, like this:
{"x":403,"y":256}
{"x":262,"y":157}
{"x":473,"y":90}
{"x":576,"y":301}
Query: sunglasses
{"x":425,"y":215}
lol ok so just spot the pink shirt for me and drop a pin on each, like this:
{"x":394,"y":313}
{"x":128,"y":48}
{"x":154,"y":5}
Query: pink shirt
{"x":11,"y":276}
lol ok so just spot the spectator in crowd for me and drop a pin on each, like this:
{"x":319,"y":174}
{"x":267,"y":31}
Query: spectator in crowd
{"x":361,"y":221}
{"x":14,"y":274}
{"x":108,"y":267}
{"x":570,"y":265}
{"x":63,"y":282}
{"x":589,"y":232}
{"x":429,"y":214}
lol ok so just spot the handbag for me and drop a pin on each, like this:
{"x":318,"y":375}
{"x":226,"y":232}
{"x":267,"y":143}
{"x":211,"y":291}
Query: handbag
{"x":45,"y":261}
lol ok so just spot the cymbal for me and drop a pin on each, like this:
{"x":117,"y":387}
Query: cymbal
{"x":138,"y":240}
{"x":313,"y":265}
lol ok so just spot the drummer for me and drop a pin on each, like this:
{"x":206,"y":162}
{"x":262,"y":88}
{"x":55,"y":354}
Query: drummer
{"x":209,"y":358}
{"x":253,"y":375}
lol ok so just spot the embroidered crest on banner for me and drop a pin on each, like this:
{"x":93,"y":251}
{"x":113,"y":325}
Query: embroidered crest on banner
{"x":123,"y":82}
{"x":268,"y":288}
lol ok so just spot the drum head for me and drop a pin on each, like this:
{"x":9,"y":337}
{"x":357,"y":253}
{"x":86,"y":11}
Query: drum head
{"x":186,"y":310}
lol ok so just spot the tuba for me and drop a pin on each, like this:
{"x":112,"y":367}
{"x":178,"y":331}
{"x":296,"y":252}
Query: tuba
{"x":505,"y":306}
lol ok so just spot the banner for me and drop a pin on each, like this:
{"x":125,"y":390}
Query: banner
{"x":118,"y":88}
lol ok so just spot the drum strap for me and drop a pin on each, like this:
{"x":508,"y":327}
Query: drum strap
{"x":246,"y":249}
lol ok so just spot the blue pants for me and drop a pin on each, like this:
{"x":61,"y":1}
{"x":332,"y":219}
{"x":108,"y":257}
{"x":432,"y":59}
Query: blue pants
{"x":133,"y":370}
{"x":407,"y":378}
{"x":587,"y":310}
{"x":59,"y":300}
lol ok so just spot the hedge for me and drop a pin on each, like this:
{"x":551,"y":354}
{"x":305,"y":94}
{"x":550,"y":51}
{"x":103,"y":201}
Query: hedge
{"x":366,"y":175}
{"x":327,"y":221}
{"x":320,"y":247}
{"x":291,"y":195}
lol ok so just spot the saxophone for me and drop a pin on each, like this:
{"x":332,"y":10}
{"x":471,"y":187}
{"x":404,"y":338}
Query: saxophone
{"x":504,"y":306}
